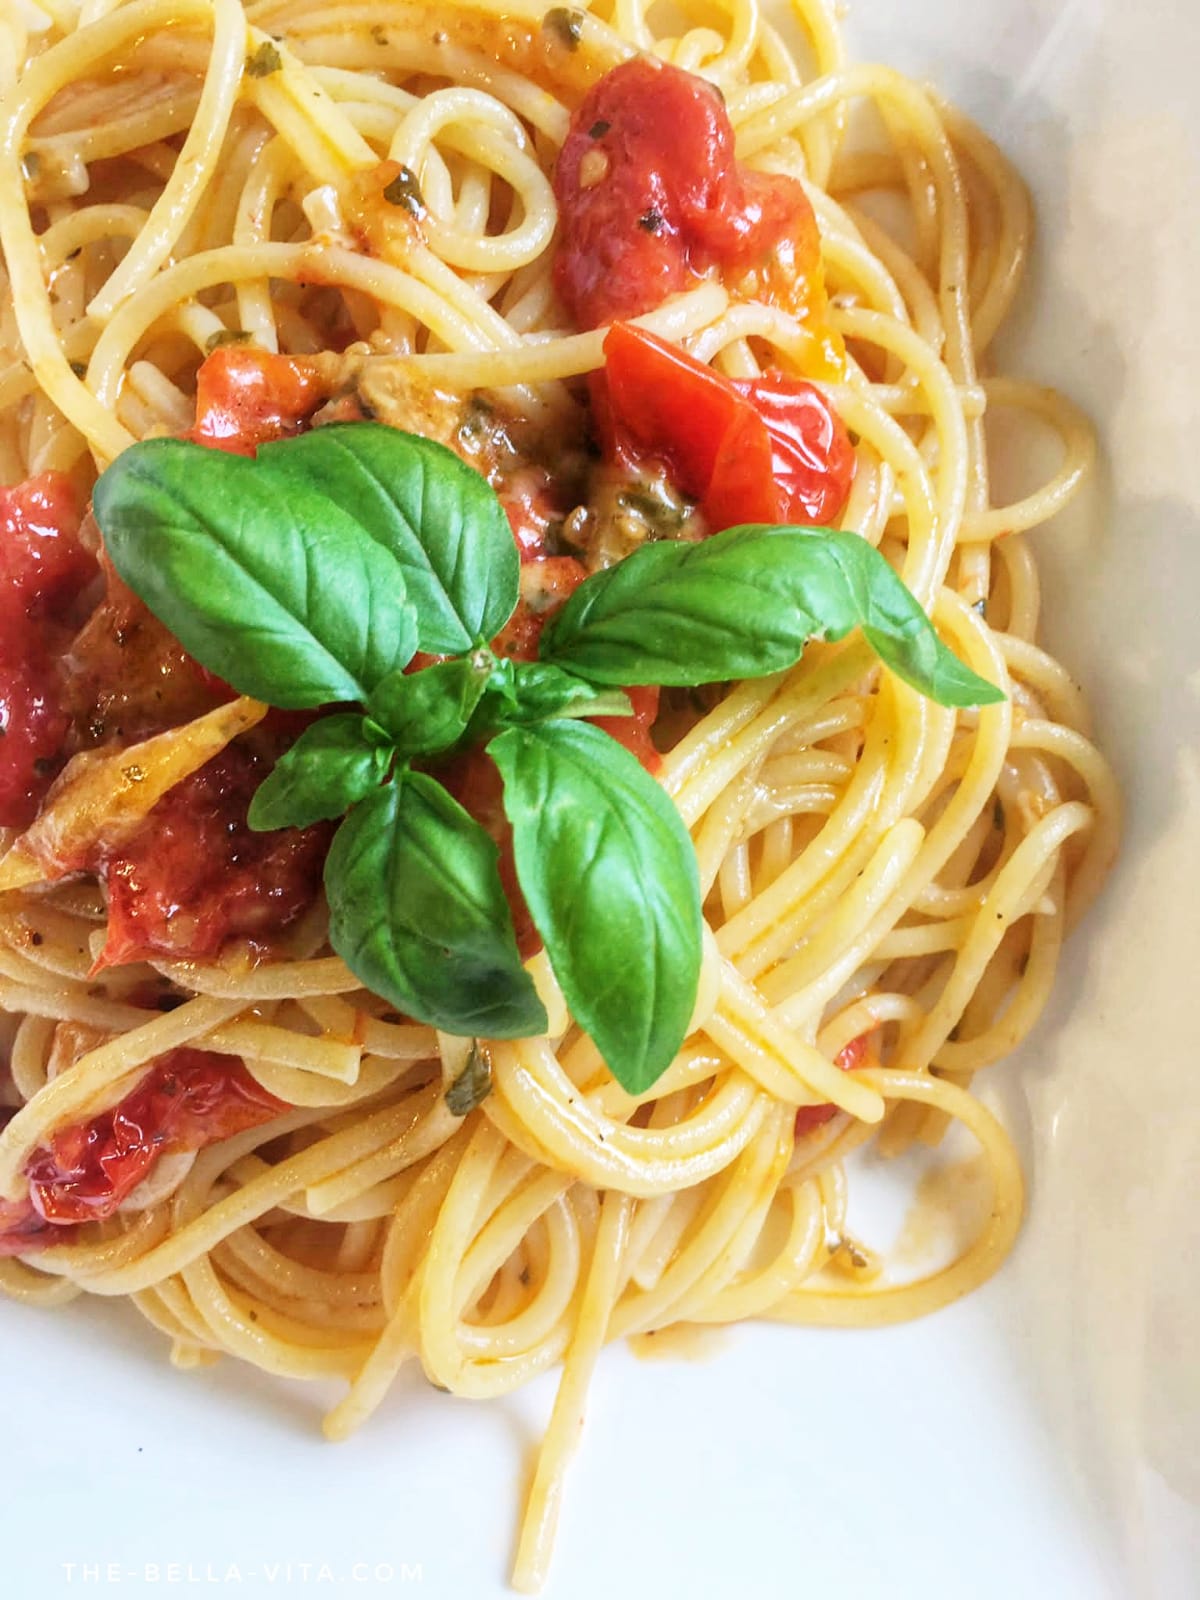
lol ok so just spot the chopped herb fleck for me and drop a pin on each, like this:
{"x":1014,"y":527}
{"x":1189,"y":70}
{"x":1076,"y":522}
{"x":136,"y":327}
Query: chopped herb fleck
{"x":378,"y":34}
{"x":264,"y":61}
{"x":476,"y":419}
{"x":405,"y":191}
{"x":473,"y":1084}
{"x":651,"y":221}
{"x":224,"y":336}
{"x":598,"y":130}
{"x":567,"y":23}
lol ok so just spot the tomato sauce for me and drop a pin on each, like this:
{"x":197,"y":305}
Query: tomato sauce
{"x":190,"y":1098}
{"x":651,"y":196}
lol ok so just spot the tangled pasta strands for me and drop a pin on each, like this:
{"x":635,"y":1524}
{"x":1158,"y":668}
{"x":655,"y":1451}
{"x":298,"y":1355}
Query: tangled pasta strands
{"x":872,"y":864}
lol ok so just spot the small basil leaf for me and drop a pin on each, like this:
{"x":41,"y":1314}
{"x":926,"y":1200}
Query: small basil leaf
{"x":473,"y":1084}
{"x":539,"y":690}
{"x":417,"y":911}
{"x":438,"y":517}
{"x":271,"y":587}
{"x":743,"y":604}
{"x":609,"y":874}
{"x":426,"y":712}
{"x":331,"y":766}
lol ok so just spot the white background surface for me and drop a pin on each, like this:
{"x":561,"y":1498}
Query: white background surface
{"x":1044,"y":1437}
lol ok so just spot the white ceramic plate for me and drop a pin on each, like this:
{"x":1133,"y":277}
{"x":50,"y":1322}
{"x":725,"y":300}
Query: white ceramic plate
{"x":1040,"y":1438}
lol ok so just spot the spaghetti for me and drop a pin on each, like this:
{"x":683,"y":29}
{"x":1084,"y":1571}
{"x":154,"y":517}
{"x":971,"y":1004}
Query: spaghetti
{"x":375,"y":191}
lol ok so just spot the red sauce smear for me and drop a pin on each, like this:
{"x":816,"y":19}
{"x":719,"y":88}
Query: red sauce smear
{"x":650,"y":196}
{"x":189,"y":1098}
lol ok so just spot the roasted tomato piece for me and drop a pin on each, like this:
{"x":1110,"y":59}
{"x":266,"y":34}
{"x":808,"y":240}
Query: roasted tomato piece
{"x":196,"y":875}
{"x":650,"y":195}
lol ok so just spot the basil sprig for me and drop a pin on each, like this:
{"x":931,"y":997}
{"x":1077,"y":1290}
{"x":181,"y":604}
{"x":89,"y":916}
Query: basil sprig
{"x":311,"y":575}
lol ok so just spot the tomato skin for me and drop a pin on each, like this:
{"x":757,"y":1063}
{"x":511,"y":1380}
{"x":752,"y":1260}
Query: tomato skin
{"x":767,"y":449}
{"x":247,"y":397}
{"x":650,"y":195}
{"x":659,"y":399}
{"x":195,"y":875}
{"x":812,"y":459}
{"x":43,"y":570}
{"x":810,"y":1118}
{"x":189,"y":1098}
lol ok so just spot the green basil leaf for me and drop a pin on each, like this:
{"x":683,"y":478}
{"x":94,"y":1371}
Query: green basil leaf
{"x":609,"y":874}
{"x":331,"y":766}
{"x":525,"y":692}
{"x":268,"y":585}
{"x":743,"y":604}
{"x":438,"y":517}
{"x":426,"y":712}
{"x":417,"y":911}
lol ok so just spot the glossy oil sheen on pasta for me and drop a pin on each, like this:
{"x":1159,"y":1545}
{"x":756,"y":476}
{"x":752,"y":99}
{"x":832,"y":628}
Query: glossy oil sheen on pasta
{"x":874,"y":867}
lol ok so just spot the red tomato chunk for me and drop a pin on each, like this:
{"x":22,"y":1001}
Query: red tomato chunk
{"x":43,"y":571}
{"x":196,"y":875}
{"x":767,"y":449}
{"x":247,"y":397}
{"x":189,"y":1099}
{"x":650,"y":195}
